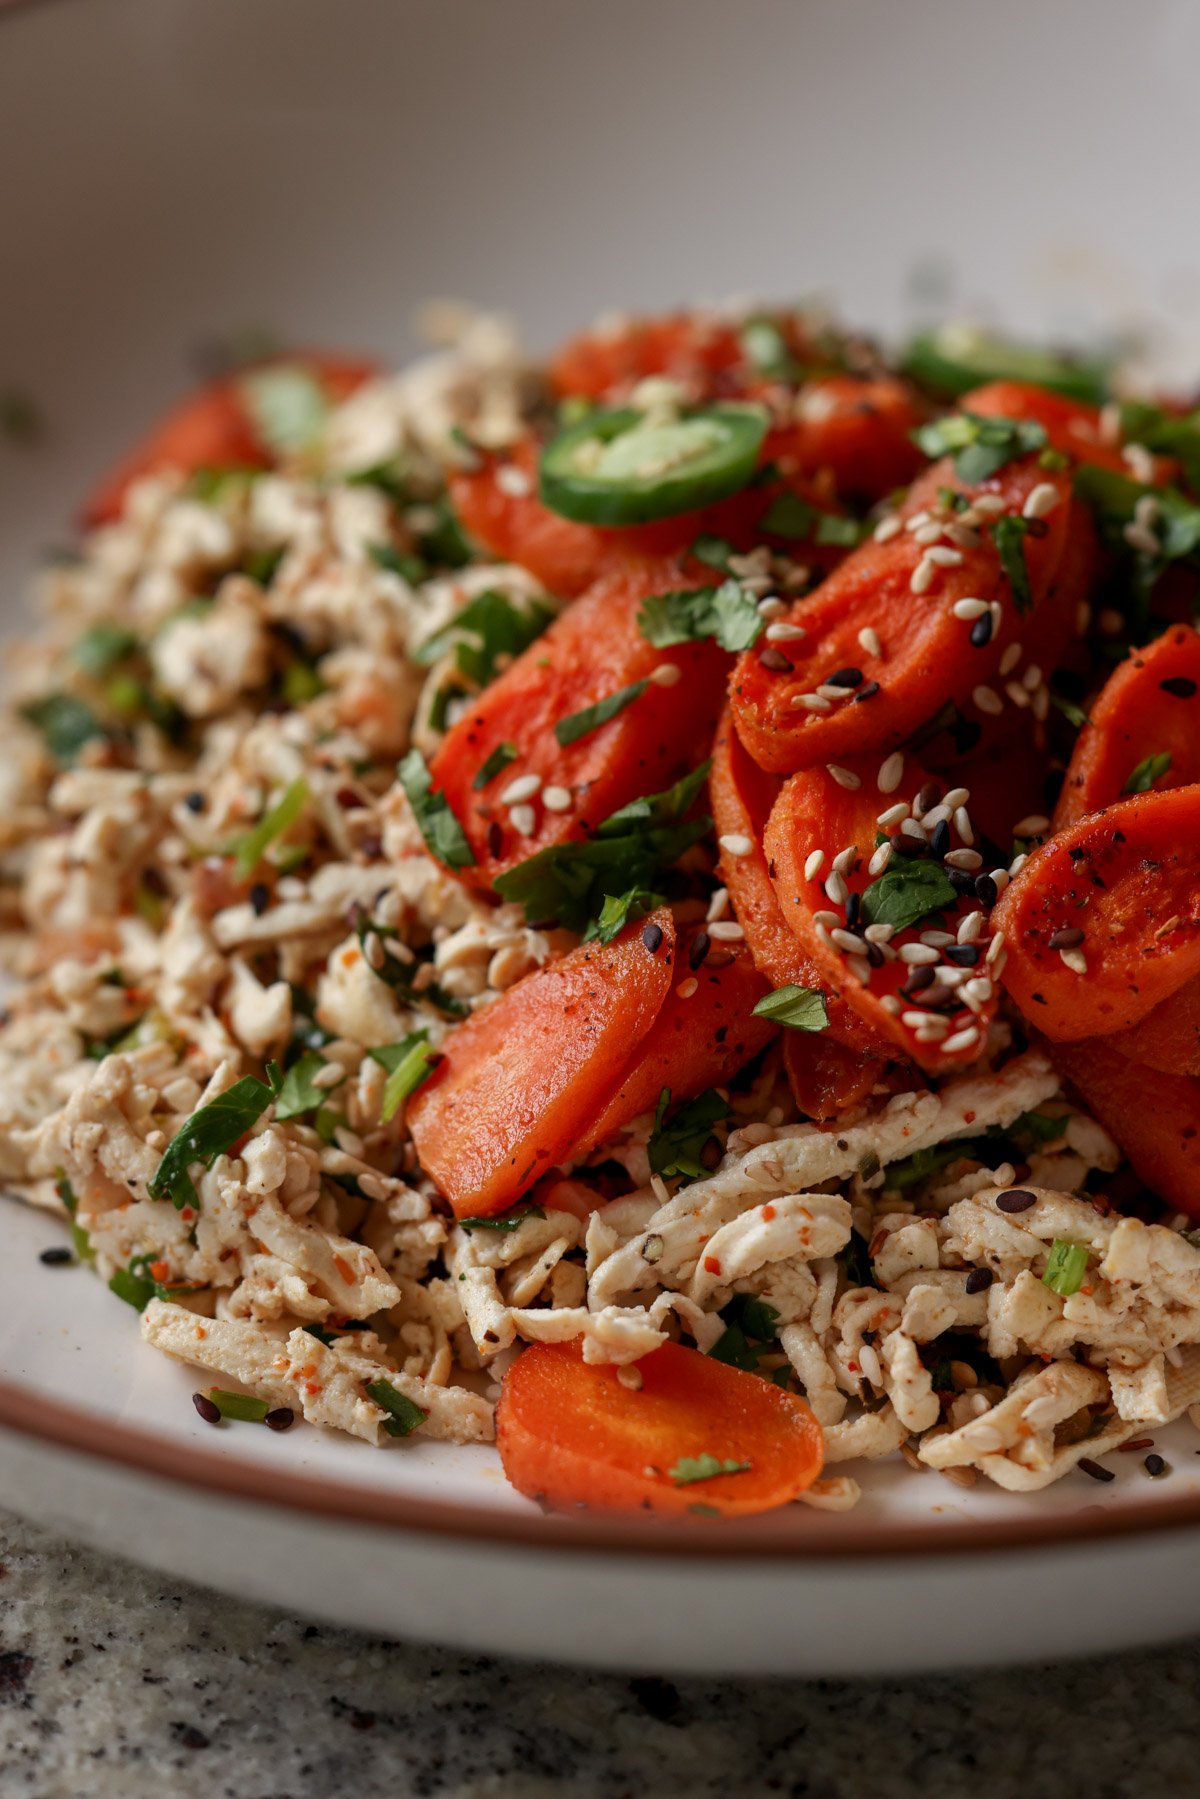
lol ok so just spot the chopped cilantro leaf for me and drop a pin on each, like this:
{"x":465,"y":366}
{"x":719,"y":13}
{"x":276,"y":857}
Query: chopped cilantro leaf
{"x":497,"y":762}
{"x":691,"y":1468}
{"x":799,"y":1008}
{"x":675,"y":1147}
{"x":684,"y":615}
{"x":287,"y":405}
{"x":101,"y":646}
{"x":619,"y":909}
{"x":907,"y":891}
{"x":65,"y":722}
{"x":1149,"y":770}
{"x":979,"y":446}
{"x":1009,"y":533}
{"x":765,"y":349}
{"x":207,"y":1134}
{"x":410,"y":568}
{"x":444,"y":837}
{"x":504,"y":1221}
{"x":487,"y":628}
{"x":298,"y":1095}
{"x":732,"y":1348}
{"x":714,"y":552}
{"x":755,"y":1317}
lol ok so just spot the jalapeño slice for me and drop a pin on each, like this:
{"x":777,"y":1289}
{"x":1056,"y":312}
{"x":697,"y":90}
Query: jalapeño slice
{"x":952,"y":360}
{"x":624,"y":467}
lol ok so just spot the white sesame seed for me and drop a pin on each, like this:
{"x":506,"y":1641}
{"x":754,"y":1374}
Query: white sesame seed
{"x":837,"y":890}
{"x":513,"y":481}
{"x":995,"y":948}
{"x":923,"y":575}
{"x":969,"y":609}
{"x":963,"y":532}
{"x":868,"y":640}
{"x":845,"y":777}
{"x":1040,"y":703}
{"x":942,"y":556}
{"x":1074,"y":959}
{"x":928,"y":534}
{"x":348,"y":1141}
{"x":1010,"y":658}
{"x":1016,"y":694}
{"x":1041,"y":501}
{"x":1031,"y":826}
{"x":891,"y":1004}
{"x":934,"y":1028}
{"x":957,"y":796}
{"x":962,"y":824}
{"x":916,"y":1021}
{"x":879,"y":933}
{"x":734,"y":844}
{"x":936,"y":814}
{"x":686,"y":988}
{"x":968,"y":859}
{"x":937,"y":939}
{"x":918,"y":521}
{"x":811,"y":702}
{"x":523,"y":819}
{"x":893,"y":814}
{"x":919,"y":954}
{"x":771,"y":607}
{"x":978,"y":988}
{"x":1001,"y":877}
{"x":1139,"y":538}
{"x":998,"y":965}
{"x":1138,"y":461}
{"x":373,"y":950}
{"x":891,"y":773}
{"x":718,"y":904}
{"x":965,"y":1039}
{"x":823,"y":936}
{"x":333,"y":1074}
{"x":880,"y":860}
{"x":827,"y":691}
{"x":814,"y":863}
{"x":1110,"y":422}
{"x":556,"y":799}
{"x":868,"y":1361}
{"x":726,"y":930}
{"x":914,"y":828}
{"x":861,"y":969}
{"x":887,"y":528}
{"x":667,"y":674}
{"x":828,"y":919}
{"x":782,"y":632}
{"x":969,"y":927}
{"x":1148,"y":511}
{"x":988,"y":701}
{"x":1031,"y":678}
{"x":853,"y":946}
{"x":846,"y":860}
{"x":990,"y":504}
{"x":1017,"y":864}
{"x":523,"y":788}
{"x":951,"y":976}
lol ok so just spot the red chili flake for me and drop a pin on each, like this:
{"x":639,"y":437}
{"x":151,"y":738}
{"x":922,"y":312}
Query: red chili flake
{"x":711,"y":1265}
{"x":768,"y":1213}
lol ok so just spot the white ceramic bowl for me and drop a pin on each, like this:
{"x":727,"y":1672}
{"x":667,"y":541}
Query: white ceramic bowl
{"x":179,"y":169}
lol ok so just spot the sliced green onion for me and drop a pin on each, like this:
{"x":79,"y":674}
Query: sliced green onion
{"x":1065,"y":1267}
{"x":405,"y":1414}
{"x":248,"y":850}
{"x":239,"y":1405}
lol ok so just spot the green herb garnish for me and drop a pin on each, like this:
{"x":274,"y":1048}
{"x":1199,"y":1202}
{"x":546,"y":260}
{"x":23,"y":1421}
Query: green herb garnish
{"x":691,"y":1468}
{"x":297,"y":1093}
{"x":979,"y":446}
{"x":243,"y":1406}
{"x":444,"y":837}
{"x":65,"y":722}
{"x":407,"y":1063}
{"x":400,"y":975}
{"x":1009,"y":533}
{"x":675,"y":1147}
{"x":79,"y":1237}
{"x":406,"y":1415}
{"x":487,"y":628}
{"x":504,"y":1221}
{"x":1065,"y":1267}
{"x":799,"y":1008}
{"x":497,"y":762}
{"x":906,"y":892}
{"x":248,"y":850}
{"x":583,"y":723}
{"x":102,"y":646}
{"x":207,"y":1134}
{"x":1149,"y":770}
{"x":685,"y":615}
{"x":287,"y":405}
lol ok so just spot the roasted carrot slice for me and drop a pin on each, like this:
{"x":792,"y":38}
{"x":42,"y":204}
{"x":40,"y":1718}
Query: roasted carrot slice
{"x":1169,"y":1037}
{"x":1072,"y":427}
{"x":522,"y":1080}
{"x":1103,"y":922}
{"x":933,"y":1000}
{"x":212,"y":429}
{"x":857,"y":428}
{"x":1155,"y":1117}
{"x":571,"y":1435}
{"x":704,"y":1033}
{"x":742,"y":795}
{"x":825,"y":1077}
{"x":591,"y":653}
{"x":689,"y":347}
{"x":1143,"y":731}
{"x":834,"y":693}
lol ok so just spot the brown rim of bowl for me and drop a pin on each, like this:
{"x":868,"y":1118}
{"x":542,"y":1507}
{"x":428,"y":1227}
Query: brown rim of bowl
{"x":49,"y":1421}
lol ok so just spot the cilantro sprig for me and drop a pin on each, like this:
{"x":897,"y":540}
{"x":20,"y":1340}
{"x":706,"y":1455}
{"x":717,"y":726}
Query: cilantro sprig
{"x":906,"y":892}
{"x":1149,"y":770}
{"x":686,"y":615}
{"x":980,"y":446}
{"x":408,"y":1063}
{"x":209,"y":1133}
{"x":444,"y":837}
{"x":798,"y":1008}
{"x":677,"y":1144}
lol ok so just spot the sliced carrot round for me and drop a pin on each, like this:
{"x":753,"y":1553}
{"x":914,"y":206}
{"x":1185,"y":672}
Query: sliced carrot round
{"x":883,"y":649}
{"x":1154,"y":1116}
{"x":521,"y":1080}
{"x":1169,"y":1037}
{"x":914,"y":993}
{"x":1143,"y":730}
{"x":825,"y":1077}
{"x":857,"y":428}
{"x":1103,"y":922}
{"x":591,"y":653}
{"x":571,"y":1435}
{"x":705,"y":1031}
{"x":1072,"y":427}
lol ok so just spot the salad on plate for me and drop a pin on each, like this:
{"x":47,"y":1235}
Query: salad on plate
{"x":644,"y":906}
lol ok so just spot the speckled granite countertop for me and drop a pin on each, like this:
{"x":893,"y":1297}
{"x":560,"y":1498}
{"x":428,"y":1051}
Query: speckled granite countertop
{"x":116,"y":1682}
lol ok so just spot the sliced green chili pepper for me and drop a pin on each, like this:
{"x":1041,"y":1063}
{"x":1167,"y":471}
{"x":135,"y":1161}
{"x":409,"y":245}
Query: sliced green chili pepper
{"x":956,"y":358}
{"x":626,"y":467}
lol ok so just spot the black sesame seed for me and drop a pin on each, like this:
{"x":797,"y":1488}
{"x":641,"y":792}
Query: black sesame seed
{"x":1087,"y":1466}
{"x":495,"y":838}
{"x":1067,"y":939}
{"x":207,"y":1410}
{"x":845,"y":677}
{"x":961,"y":881}
{"x":921,"y":976}
{"x":1016,"y":1200}
{"x":282,"y":1418}
{"x":652,"y":936}
{"x":979,"y":1280}
{"x":1036,"y":527}
{"x":700,"y":946}
{"x":986,"y":891}
{"x":853,"y":908}
{"x":867,"y":693}
{"x":939,"y":841}
{"x":874,"y":956}
{"x":776,"y":661}
{"x":928,"y":796}
{"x":260,"y":898}
{"x":961,"y":955}
{"x":194,"y":801}
{"x":1181,"y":686}
{"x":904,"y":845}
{"x":57,"y":1256}
{"x":981,"y":631}
{"x":1154,"y":1465}
{"x":940,"y":996}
